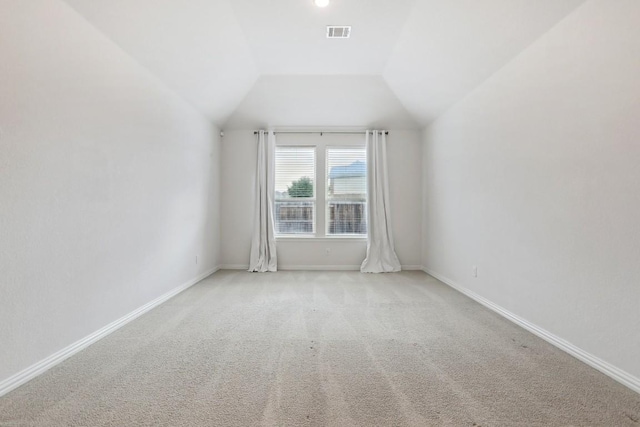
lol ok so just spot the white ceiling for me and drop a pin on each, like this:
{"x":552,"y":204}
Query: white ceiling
{"x":249,"y":63}
{"x":195,"y":46}
{"x":450,"y":47}
{"x":288,"y":36}
{"x":321,"y":102}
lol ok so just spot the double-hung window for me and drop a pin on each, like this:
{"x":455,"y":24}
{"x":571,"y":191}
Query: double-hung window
{"x":295,"y":190}
{"x":346,"y":199}
{"x":321,"y":189}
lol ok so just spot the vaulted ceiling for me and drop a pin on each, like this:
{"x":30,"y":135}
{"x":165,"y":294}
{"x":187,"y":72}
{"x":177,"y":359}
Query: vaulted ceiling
{"x":248,"y":63}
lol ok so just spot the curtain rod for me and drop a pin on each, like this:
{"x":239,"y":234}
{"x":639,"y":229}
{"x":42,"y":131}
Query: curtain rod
{"x":322,"y":131}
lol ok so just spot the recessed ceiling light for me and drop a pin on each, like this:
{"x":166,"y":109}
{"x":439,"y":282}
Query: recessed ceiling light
{"x":321,"y":3}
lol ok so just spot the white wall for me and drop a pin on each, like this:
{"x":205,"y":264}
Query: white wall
{"x":448,"y":48}
{"x":534,"y":177}
{"x":405,"y":182}
{"x":198,"y":49}
{"x":109,"y":184}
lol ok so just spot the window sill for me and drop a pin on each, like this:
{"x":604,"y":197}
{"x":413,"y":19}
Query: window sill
{"x":309,"y":239}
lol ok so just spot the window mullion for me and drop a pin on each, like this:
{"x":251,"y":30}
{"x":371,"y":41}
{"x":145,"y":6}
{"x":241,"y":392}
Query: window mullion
{"x":321,"y":192}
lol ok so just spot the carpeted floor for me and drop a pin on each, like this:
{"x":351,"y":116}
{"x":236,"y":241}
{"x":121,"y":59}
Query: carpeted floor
{"x":321,"y":348}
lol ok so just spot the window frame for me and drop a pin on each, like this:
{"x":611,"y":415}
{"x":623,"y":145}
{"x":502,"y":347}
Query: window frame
{"x":327,"y":215}
{"x":320,"y":222}
{"x":313,"y":199}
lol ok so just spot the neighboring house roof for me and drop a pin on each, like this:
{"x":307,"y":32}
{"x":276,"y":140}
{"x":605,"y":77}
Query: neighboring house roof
{"x":355,"y":169}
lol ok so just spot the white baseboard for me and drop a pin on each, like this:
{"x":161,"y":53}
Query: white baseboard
{"x":34,"y":370}
{"x":606,"y":368}
{"x":234,"y":267}
{"x":296,"y":267}
{"x":318,"y":267}
{"x":314,"y":267}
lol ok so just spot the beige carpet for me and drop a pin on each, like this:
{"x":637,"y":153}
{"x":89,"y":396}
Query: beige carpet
{"x":321,"y":348}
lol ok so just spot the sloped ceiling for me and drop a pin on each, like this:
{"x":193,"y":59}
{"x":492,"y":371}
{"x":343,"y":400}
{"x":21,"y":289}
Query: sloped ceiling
{"x":321,"y":102}
{"x":250,"y":63}
{"x":448,"y":48}
{"x":196,"y":47}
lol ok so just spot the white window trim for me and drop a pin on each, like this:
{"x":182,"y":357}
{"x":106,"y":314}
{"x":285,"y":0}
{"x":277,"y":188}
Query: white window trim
{"x":314,"y":199}
{"x":309,"y":238}
{"x":320,"y":230}
{"x":326,"y":198}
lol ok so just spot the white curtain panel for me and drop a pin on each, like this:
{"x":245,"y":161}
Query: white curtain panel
{"x":381,"y":254}
{"x":263,"y":244}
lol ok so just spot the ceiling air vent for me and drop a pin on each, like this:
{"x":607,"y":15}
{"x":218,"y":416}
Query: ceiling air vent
{"x":338,"y":32}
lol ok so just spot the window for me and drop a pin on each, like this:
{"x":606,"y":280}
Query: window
{"x":346,"y":201}
{"x":320,"y":186}
{"x":295,"y":192}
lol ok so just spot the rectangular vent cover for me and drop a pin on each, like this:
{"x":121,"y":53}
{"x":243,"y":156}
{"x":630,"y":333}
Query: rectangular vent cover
{"x":338,"y":32}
